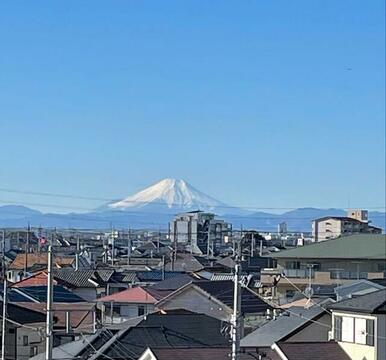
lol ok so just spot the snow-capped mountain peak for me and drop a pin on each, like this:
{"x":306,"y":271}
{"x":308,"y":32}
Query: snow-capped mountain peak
{"x":173,"y":193}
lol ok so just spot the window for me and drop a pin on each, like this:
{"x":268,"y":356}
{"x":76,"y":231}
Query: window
{"x":370,"y":332}
{"x":116,"y":310}
{"x":25,"y":340}
{"x":347,"y":329}
{"x":290,"y":293}
{"x":338,"y":328}
{"x":360,"y":331}
{"x":141,"y":310}
{"x":354,"y":330}
{"x":33,"y":351}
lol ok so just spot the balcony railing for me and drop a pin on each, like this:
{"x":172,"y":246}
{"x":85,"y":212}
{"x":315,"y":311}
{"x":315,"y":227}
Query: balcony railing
{"x":298,"y":273}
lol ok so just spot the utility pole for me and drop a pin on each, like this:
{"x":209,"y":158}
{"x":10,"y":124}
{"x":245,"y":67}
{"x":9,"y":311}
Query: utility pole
{"x":158,"y":240}
{"x":4,"y":322}
{"x":77,"y":253}
{"x":26,"y":252}
{"x":3,"y":273}
{"x":49,"y":319}
{"x":112,"y":246}
{"x":128,"y":246}
{"x":163,"y":267}
{"x":208,"y":244}
{"x":236,"y":328}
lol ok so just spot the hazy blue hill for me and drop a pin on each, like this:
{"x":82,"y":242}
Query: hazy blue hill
{"x":17,"y":212}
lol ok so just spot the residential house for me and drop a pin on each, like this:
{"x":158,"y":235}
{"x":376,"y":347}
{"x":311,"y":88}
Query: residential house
{"x":23,"y":337}
{"x":72,"y":320}
{"x":167,"y":329}
{"x":191,"y":353}
{"x":25,"y":265}
{"x":294,"y":324}
{"x":215,"y":298}
{"x":328,"y":350}
{"x":359,"y":325}
{"x":335,"y":261}
{"x":130,"y":303}
{"x":38,"y":294}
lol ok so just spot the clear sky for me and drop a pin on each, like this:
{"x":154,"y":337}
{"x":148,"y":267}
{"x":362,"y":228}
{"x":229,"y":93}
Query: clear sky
{"x":264,"y":103}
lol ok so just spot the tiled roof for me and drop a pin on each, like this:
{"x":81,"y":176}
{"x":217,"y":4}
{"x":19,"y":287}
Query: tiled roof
{"x":373,"y":303}
{"x":38,"y":279}
{"x":186,"y":263}
{"x":40,"y":260}
{"x":223,"y":291}
{"x":133,"y":295}
{"x":313,"y":351}
{"x":346,"y":247}
{"x":173,"y":329}
{"x":81,"y":277}
{"x":174,"y":283}
{"x":156,"y":275}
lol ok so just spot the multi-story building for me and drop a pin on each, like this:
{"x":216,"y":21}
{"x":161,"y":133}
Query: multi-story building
{"x":336,"y":261}
{"x":282,"y":228}
{"x":331,"y":227}
{"x":195,"y":228}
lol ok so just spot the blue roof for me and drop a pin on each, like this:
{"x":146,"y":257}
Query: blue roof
{"x":39,"y":293}
{"x":156,"y":275}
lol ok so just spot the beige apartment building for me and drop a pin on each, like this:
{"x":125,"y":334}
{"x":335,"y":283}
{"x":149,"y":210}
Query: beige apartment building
{"x":330,"y":227}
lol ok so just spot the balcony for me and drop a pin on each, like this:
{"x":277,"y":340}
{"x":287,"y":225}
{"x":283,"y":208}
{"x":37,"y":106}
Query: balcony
{"x":301,"y":276}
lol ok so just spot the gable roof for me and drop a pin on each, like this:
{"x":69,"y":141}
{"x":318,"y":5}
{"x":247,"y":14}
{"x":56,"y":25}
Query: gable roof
{"x":355,"y":288}
{"x":365,"y":246}
{"x":175,"y":283}
{"x":82,"y":277}
{"x":223,"y":291}
{"x":373,"y":303}
{"x":167,"y":330}
{"x":312,"y":351}
{"x":138,"y":294}
{"x":23,"y":314}
{"x":80,"y":313}
{"x":38,"y":279}
{"x":185,"y":263}
{"x":39,"y":260}
{"x":282,"y":326}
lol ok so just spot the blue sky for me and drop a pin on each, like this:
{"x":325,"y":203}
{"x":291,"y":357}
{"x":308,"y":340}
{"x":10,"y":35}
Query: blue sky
{"x":259,"y":103}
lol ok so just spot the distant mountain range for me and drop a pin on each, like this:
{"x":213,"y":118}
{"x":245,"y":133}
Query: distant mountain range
{"x":155,"y":206}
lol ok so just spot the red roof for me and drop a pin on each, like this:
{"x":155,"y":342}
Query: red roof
{"x":38,"y":279}
{"x":137,"y":294}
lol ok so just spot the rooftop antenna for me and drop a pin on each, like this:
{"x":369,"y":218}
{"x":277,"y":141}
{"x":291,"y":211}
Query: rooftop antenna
{"x":236,"y":307}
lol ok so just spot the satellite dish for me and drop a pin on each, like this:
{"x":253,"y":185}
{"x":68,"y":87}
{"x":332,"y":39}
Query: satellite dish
{"x":308,"y":292}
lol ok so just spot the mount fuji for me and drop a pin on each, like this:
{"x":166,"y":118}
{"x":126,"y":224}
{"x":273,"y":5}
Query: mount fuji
{"x":155,"y":206}
{"x":167,"y":196}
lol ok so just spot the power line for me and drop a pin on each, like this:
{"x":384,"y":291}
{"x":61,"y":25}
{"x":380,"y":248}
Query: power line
{"x":80,"y":197}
